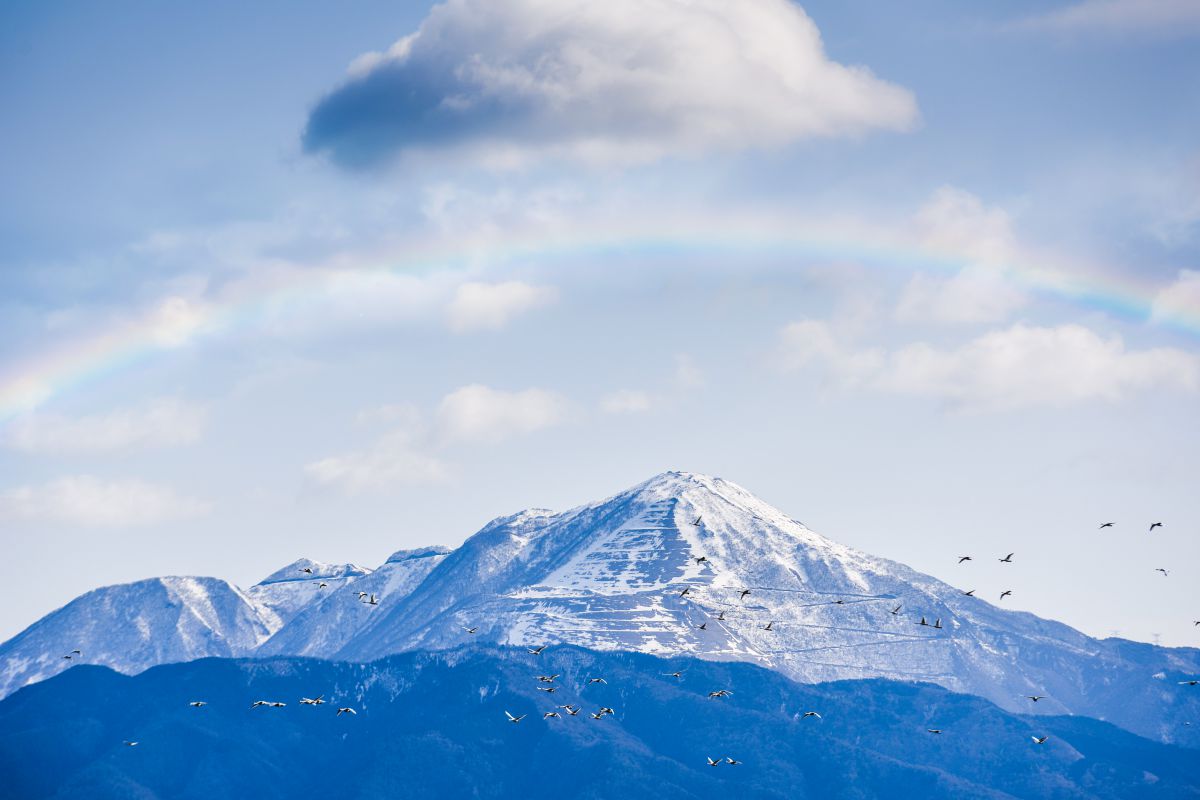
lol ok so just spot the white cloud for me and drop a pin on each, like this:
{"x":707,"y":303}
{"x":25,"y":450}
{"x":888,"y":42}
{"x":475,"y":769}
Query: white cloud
{"x":490,"y":306}
{"x":1017,"y":367}
{"x":87,"y":500}
{"x":623,"y":80}
{"x":958,"y":222}
{"x":407,"y":455}
{"x":1172,"y":17}
{"x":162,"y":423}
{"x":687,"y":374}
{"x":1179,"y":302}
{"x":480,"y":413}
{"x":976,"y":293}
{"x":626,"y":401}
{"x":396,"y":459}
{"x":810,"y":342}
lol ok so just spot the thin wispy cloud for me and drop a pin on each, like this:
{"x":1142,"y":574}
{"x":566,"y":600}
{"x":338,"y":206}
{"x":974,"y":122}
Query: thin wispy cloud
{"x":1159,"y":17}
{"x":166,"y":422}
{"x":1022,"y":366}
{"x":490,"y":306}
{"x":626,"y":401}
{"x":90,"y":501}
{"x":410,"y":453}
{"x":479,"y":413}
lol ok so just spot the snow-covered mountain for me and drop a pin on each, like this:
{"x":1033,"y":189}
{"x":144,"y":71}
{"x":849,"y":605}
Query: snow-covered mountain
{"x":287,"y":590}
{"x":134,"y":626}
{"x":611,"y":576}
{"x":324,"y":627}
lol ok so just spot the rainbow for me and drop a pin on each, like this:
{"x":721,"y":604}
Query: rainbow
{"x":175,"y":322}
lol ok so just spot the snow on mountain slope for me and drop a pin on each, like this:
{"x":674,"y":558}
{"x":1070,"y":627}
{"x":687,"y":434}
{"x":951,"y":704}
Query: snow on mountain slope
{"x":611,"y":576}
{"x":323,"y":627}
{"x":289,"y":589}
{"x":134,"y":626}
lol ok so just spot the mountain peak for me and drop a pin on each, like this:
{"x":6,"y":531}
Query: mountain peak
{"x":418,"y":552}
{"x":296,"y":571}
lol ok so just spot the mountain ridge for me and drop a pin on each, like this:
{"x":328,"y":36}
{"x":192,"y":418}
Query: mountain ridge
{"x":434,"y":723}
{"x":612,"y":575}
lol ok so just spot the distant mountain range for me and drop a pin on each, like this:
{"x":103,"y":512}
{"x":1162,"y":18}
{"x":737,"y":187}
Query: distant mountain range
{"x":611,"y":576}
{"x":434,"y":724}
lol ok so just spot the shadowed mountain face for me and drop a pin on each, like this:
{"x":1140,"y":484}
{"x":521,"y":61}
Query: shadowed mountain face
{"x":612,"y":576}
{"x":434,"y":724}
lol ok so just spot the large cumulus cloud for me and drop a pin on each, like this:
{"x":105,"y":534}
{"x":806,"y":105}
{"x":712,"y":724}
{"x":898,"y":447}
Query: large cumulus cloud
{"x":620,"y":80}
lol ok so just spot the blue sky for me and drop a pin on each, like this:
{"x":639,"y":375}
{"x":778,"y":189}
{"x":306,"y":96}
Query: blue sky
{"x":926,"y":278}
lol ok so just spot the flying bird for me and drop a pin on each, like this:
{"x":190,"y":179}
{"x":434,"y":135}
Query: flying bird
{"x":1190,"y":682}
{"x":896,"y":611}
{"x":598,"y":680}
{"x":346,"y":710}
{"x":720,"y":693}
{"x":768,"y":627}
{"x":511,"y":718}
{"x":1005,"y":593}
{"x":1007,"y":559}
{"x":321,"y":584}
{"x":1039,"y":740}
{"x":969,"y":594}
{"x":550,"y":714}
{"x":1106,"y":525}
{"x":361,"y":595}
{"x":607,"y":710}
{"x":712,"y":763}
{"x":672,"y":674}
{"x":198,"y":704}
{"x":733,"y":762}
{"x":699,"y":559}
{"x":743,"y":593}
{"x":811,"y":714}
{"x":548,"y":678}
{"x":373,"y":600}
{"x":536,"y":651}
{"x":307,"y":570}
{"x":1155,"y":525}
{"x":597,"y":716}
{"x":130,"y":744}
{"x":964,"y":558}
{"x":934,"y":730}
{"x":1160,"y":569}
{"x":277,"y":704}
{"x":686,"y":589}
{"x":570,"y":709}
{"x":938,"y":623}
{"x":923,"y":622}
{"x":312,"y":701}
{"x":702,"y":626}
{"x":696,"y":521}
{"x":839,"y":602}
{"x":1036,"y":697}
{"x":548,"y":689}
{"x":721,"y":618}
{"x":471,"y":630}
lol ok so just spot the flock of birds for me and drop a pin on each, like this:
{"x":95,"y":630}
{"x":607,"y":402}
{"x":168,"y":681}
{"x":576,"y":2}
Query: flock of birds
{"x":547,"y":683}
{"x":770,"y":627}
